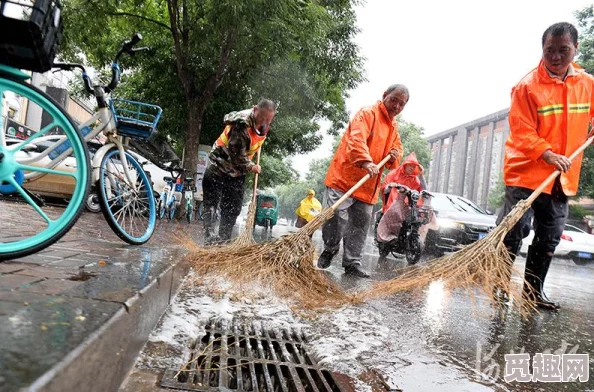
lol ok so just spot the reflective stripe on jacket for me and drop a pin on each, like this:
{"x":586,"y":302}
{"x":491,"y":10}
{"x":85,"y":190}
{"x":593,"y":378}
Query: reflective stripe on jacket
{"x":256,"y":141}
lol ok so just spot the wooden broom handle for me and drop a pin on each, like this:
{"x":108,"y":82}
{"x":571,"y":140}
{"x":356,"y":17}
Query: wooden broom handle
{"x":358,"y":185}
{"x":256,"y":177}
{"x":556,"y":173}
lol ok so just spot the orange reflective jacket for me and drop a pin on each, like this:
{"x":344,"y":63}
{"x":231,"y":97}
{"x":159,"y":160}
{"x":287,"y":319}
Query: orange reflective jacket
{"x":547,"y":113}
{"x":369,"y":137}
{"x":256,"y":140}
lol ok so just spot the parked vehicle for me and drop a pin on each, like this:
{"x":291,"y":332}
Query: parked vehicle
{"x":575,"y":244}
{"x":122,"y":194}
{"x":266,"y":211}
{"x":50,"y":185}
{"x":409,"y":240}
{"x":60,"y":186}
{"x":189,"y":191}
{"x":461,"y":222}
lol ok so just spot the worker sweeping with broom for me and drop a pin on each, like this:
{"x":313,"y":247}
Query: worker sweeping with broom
{"x":550,"y":114}
{"x":371,"y":135}
{"x":549,"y":119}
{"x":229,"y":162}
{"x":286,"y":264}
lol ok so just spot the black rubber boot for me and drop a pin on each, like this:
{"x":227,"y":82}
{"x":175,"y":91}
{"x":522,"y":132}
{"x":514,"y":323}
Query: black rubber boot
{"x":546,"y":263}
{"x":225,"y":232}
{"x":210,"y":238}
{"x":356,"y":270}
{"x":325,"y":258}
{"x":537,"y":267}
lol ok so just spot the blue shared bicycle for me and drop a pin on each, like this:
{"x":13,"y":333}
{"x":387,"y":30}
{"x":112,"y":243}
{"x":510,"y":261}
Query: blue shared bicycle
{"x":58,"y":147}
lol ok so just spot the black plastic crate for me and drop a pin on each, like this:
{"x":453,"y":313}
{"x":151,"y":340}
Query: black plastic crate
{"x":30,"y":33}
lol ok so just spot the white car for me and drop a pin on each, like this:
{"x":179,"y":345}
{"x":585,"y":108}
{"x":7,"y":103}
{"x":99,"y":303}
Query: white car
{"x":575,"y":244}
{"x":50,"y":185}
{"x":62,"y":186}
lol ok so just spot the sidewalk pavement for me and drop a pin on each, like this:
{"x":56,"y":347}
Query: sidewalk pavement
{"x":74,"y":316}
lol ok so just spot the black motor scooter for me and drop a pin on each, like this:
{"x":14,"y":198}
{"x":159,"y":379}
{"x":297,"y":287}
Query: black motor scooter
{"x":408,"y":241}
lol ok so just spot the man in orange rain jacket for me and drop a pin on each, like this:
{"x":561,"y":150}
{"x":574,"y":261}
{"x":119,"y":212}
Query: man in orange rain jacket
{"x":371,"y":135}
{"x":395,"y":209}
{"x":549,"y":117}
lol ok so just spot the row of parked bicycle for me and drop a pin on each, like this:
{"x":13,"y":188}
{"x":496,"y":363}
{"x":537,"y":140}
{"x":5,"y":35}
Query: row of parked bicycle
{"x":124,"y":190}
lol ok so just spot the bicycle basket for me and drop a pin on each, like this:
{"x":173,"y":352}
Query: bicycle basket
{"x":135,"y":119}
{"x":30,"y":32}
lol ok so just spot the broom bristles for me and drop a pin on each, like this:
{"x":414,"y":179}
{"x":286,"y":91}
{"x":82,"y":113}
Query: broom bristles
{"x":484,"y":265}
{"x":246,"y":237}
{"x":285,"y":265}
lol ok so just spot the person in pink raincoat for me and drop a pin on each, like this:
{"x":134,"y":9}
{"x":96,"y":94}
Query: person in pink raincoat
{"x":395,"y":210}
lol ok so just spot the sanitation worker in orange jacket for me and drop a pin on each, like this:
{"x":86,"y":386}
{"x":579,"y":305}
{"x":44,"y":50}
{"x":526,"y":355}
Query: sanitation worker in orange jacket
{"x":229,"y":161}
{"x":549,"y":117}
{"x":371,"y":135}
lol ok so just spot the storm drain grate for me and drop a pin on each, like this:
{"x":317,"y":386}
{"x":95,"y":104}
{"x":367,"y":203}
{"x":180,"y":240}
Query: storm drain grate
{"x":250,"y":358}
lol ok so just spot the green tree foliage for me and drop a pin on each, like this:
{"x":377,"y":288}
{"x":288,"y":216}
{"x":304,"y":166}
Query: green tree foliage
{"x":289,"y":197}
{"x":585,"y":19}
{"x":275,"y":171}
{"x":497,"y":195}
{"x":210,"y":57}
{"x":412,"y":140}
{"x":577,"y":212}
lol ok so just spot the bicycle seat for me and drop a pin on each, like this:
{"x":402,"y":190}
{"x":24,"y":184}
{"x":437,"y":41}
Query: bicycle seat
{"x":168,"y":179}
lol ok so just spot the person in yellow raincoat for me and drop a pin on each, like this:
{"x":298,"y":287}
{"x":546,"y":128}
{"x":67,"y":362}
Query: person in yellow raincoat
{"x":308,"y":209}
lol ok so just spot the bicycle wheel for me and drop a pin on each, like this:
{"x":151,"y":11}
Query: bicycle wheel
{"x":160,"y":214}
{"x":200,"y":211}
{"x":53,"y":161}
{"x":131,"y":213}
{"x":413,"y":250}
{"x":189,"y":212}
{"x":172,"y":211}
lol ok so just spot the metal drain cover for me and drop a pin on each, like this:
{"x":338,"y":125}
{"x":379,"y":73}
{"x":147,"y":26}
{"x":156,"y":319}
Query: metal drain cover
{"x":249,"y":358}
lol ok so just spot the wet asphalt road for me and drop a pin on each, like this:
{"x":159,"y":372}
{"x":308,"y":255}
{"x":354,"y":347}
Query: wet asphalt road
{"x":445,"y":341}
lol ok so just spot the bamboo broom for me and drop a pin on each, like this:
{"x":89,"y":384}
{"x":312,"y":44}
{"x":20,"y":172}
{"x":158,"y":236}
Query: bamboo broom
{"x":484,"y":265}
{"x":285,"y":264}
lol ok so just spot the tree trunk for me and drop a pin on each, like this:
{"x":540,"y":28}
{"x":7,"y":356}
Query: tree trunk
{"x":191,"y":145}
{"x":192,"y":138}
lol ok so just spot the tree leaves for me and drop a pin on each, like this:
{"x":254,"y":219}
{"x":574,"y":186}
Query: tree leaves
{"x":211,"y":57}
{"x":585,"y":19}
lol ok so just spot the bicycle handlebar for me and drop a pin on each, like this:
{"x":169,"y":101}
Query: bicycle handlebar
{"x":85,"y":76}
{"x":127,"y":47}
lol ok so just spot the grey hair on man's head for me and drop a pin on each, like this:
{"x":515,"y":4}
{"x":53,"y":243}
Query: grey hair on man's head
{"x":266,"y":104}
{"x":398,"y":87}
{"x":560,"y":29}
